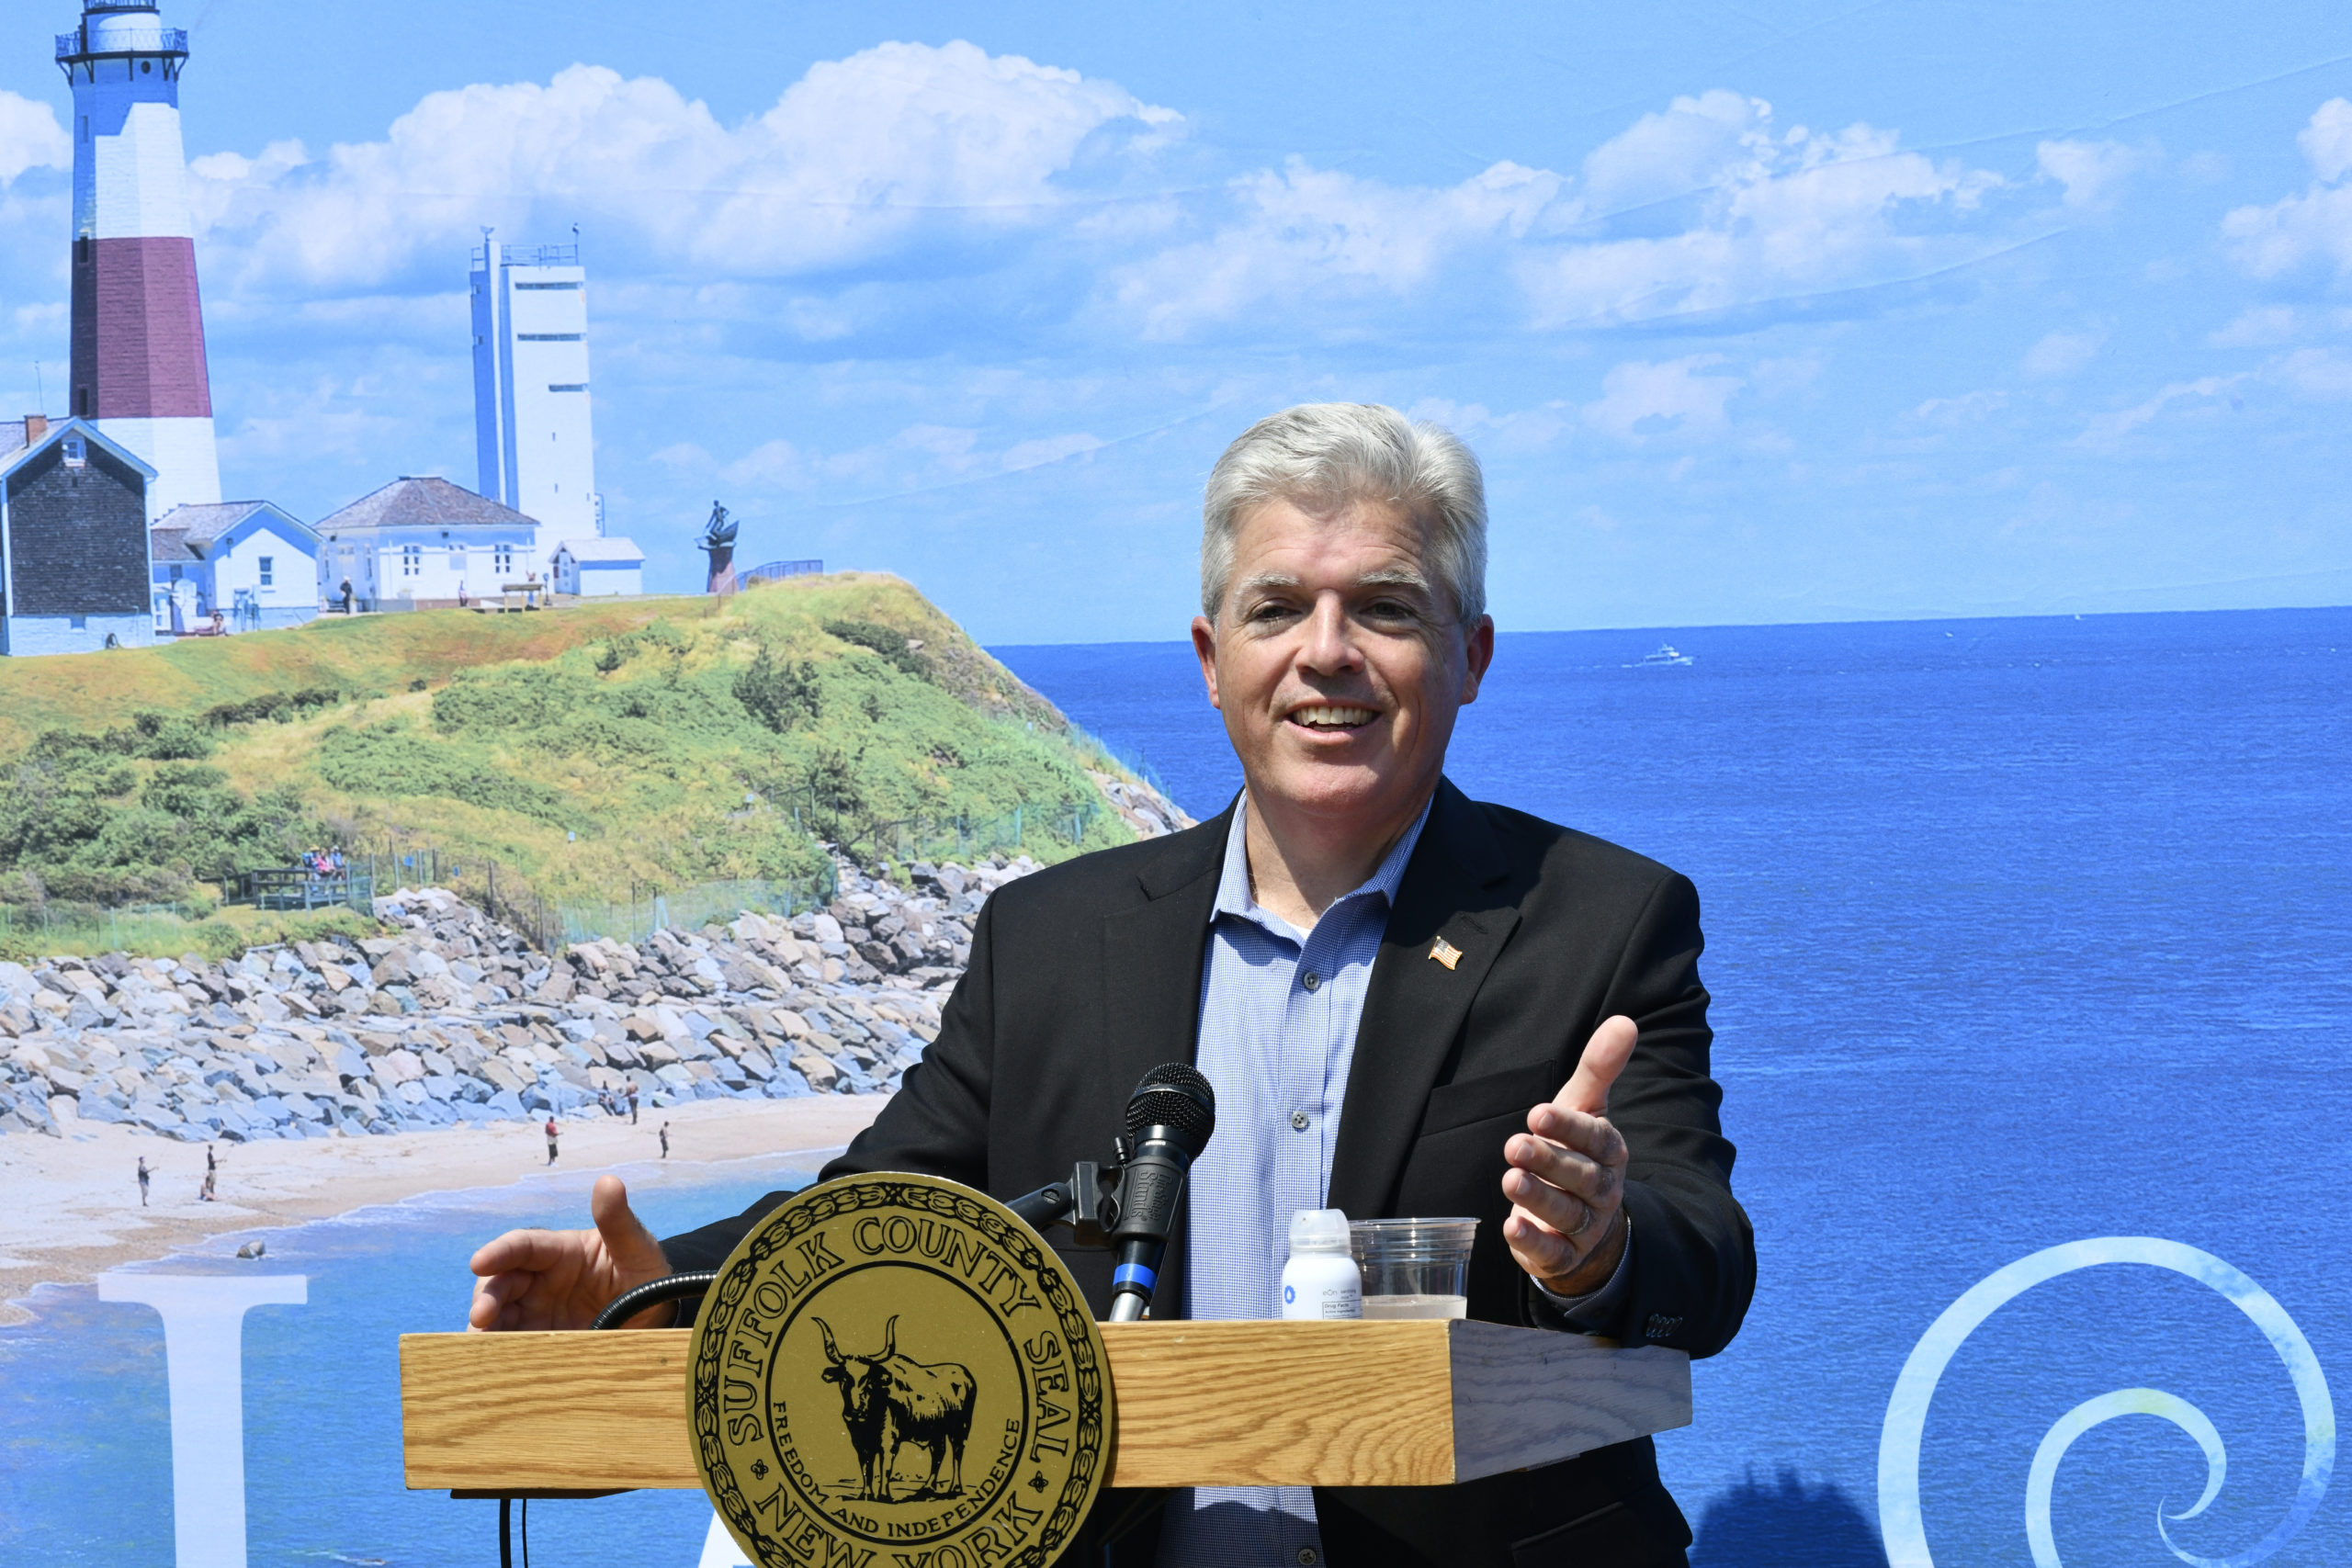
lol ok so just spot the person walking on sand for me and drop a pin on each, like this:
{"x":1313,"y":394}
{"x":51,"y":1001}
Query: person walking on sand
{"x":212,"y":1174}
{"x":632,"y":1104}
{"x":665,"y":1140}
{"x":551,"y":1137}
{"x":143,"y":1174}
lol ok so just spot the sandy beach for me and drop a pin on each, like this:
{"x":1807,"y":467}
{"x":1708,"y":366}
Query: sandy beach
{"x":72,"y":1212}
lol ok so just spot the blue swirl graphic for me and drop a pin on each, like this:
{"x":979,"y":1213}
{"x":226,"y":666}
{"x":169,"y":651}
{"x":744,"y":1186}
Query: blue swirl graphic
{"x":1900,"y":1523}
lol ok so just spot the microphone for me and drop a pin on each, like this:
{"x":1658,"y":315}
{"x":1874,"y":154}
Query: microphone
{"x":1169,"y":1118}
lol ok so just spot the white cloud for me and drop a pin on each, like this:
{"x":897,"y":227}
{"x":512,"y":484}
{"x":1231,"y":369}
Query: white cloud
{"x":2060,"y":354}
{"x":2315,"y":226}
{"x":1757,"y":213}
{"x":2326,"y":141}
{"x":30,"y":137}
{"x":1640,"y":399}
{"x":857,"y":155}
{"x":2315,"y":373}
{"x":1694,"y":144}
{"x":1789,"y":213}
{"x":1048,"y":449}
{"x":1306,"y":237}
{"x":2107,"y":431}
{"x":2091,"y":171}
{"x":2258,"y":326}
{"x":1965,"y":409}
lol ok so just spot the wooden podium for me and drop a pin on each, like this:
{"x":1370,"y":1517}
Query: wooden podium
{"x":1364,"y":1403}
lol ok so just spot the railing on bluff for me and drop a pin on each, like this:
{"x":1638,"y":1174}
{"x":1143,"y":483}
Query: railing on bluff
{"x":294,"y":888}
{"x":775,"y":570}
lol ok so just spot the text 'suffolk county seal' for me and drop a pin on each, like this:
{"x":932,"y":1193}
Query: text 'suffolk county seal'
{"x":894,"y":1370}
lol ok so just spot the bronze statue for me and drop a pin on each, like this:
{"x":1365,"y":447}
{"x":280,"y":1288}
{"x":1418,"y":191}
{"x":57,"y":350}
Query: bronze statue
{"x":718,"y":542}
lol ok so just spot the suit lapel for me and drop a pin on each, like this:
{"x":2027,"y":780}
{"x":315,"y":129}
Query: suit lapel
{"x":1452,"y":891}
{"x":1152,"y":953}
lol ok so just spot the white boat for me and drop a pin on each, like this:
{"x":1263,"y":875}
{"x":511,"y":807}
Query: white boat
{"x":1667,"y":654}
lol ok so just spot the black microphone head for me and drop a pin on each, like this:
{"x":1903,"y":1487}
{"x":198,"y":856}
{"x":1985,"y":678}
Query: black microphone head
{"x":1178,"y":1098}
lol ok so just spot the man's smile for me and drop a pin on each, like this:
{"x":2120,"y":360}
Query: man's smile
{"x":1329,"y":718}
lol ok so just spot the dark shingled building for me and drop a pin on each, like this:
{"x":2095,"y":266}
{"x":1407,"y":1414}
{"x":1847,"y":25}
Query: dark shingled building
{"x":73,"y":565}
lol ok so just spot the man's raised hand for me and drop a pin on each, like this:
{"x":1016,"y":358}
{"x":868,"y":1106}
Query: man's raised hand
{"x":562,"y":1278}
{"x":1566,"y":1184}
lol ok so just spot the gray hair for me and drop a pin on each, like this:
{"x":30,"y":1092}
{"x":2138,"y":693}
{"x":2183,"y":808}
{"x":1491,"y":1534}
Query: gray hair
{"x":1320,"y":457}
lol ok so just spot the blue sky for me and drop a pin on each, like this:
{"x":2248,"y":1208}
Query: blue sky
{"x":1802,"y":313}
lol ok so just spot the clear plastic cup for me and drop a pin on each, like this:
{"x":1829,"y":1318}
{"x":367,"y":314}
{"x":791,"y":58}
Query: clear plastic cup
{"x":1418,"y":1267}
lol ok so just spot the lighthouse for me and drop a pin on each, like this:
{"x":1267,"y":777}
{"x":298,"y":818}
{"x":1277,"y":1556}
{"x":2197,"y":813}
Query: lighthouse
{"x":138,"y":328}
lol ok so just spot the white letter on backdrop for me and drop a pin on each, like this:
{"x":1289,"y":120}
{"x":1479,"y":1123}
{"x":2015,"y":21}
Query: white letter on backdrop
{"x":204,"y":1365}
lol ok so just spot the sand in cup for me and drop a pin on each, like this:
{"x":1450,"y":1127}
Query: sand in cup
{"x":1414,"y":1268}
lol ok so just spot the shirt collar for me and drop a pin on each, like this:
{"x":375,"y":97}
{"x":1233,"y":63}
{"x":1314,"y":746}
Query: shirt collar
{"x":1233,"y":894}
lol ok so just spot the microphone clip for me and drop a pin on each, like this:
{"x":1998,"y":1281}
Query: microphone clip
{"x":1089,"y":1203}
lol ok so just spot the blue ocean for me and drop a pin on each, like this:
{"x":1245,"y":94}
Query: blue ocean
{"x":2024,"y":935}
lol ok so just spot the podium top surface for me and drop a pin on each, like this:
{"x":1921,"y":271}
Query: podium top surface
{"x":1361,"y":1403}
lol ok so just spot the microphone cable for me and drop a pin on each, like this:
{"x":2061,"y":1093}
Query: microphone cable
{"x":620,"y":1310}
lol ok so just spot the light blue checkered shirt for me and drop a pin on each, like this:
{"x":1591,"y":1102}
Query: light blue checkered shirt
{"x":1279,"y":1010}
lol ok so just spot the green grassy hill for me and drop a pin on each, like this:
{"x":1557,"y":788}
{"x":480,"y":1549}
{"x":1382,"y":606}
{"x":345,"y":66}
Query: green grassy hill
{"x":599,"y":751}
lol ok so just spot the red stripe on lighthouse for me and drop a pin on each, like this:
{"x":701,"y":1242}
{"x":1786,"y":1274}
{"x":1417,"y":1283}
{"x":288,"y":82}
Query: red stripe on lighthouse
{"x":138,"y":334}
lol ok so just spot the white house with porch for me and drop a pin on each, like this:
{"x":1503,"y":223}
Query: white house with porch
{"x":423,"y":542}
{"x":252,"y":561}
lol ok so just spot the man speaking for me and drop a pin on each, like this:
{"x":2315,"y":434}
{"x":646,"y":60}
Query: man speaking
{"x":1408,"y":1002}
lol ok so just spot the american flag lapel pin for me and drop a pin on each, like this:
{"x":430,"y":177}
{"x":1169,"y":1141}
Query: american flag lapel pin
{"x":1445,"y":953}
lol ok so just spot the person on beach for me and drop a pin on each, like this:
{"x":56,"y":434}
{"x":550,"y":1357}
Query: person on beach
{"x":143,"y":1174}
{"x":632,"y":1104}
{"x":1408,"y":1002}
{"x":551,"y":1137}
{"x":665,"y":1140}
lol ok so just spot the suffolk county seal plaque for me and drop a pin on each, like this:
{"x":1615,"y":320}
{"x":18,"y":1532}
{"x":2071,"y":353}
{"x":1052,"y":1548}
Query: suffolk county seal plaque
{"x":894,"y":1369}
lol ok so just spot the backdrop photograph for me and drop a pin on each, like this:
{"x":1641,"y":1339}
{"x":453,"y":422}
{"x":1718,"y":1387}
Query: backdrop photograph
{"x":752,"y":599}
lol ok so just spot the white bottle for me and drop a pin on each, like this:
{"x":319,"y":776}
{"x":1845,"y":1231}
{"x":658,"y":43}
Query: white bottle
{"x":1321,"y":1279}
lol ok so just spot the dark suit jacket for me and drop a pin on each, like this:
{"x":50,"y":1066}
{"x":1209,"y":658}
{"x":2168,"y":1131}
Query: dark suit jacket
{"x":1086,"y":976}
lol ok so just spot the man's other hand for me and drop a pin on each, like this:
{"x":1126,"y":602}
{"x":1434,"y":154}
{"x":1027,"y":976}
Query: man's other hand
{"x":1566,"y":1184}
{"x":562,"y":1278}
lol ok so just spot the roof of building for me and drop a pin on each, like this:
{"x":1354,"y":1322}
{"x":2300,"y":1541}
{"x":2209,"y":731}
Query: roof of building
{"x":13,"y":431}
{"x":603,"y":550}
{"x":426,"y":502}
{"x":187,"y":531}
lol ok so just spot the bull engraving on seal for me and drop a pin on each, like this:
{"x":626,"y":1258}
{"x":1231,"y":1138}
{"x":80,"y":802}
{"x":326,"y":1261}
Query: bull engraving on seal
{"x":889,"y":1400}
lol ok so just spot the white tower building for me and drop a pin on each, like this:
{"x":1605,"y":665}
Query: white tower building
{"x":531,"y":390}
{"x":138,"y":326}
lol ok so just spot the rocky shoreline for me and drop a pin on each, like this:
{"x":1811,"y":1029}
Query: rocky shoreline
{"x":451,"y":1017}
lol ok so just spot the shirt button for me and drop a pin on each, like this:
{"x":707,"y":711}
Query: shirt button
{"x":1298,"y":1121}
{"x":1311,"y":980}
{"x":1306,"y":1558}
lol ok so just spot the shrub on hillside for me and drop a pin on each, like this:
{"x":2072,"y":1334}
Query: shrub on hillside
{"x":511,"y":702}
{"x":72,"y":826}
{"x":393,"y":760}
{"x":891,"y":645}
{"x":780,"y":692}
{"x":283,"y":706}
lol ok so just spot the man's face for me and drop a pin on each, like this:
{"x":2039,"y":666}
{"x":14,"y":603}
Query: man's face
{"x":1338,"y":663}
